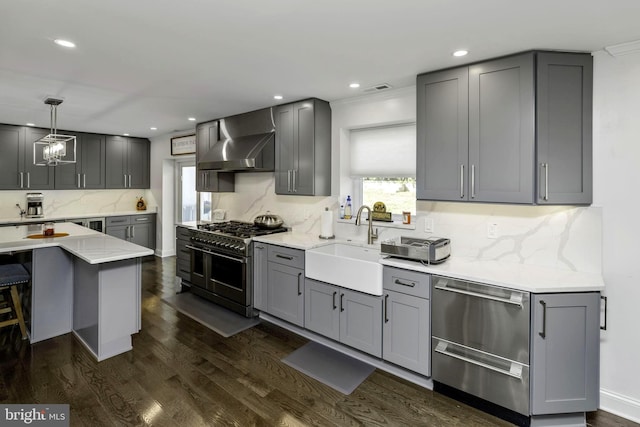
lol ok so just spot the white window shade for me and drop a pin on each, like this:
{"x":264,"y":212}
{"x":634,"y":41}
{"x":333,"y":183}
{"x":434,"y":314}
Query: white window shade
{"x":388,"y":151}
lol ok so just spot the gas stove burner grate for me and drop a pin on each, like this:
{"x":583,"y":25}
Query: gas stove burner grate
{"x":239,"y":229}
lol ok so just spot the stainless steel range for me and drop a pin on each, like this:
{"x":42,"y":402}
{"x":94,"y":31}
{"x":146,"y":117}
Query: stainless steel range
{"x":221,"y":263}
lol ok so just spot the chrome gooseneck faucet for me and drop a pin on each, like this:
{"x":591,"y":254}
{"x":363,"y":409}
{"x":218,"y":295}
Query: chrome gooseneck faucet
{"x":371,"y":234}
{"x":22,"y":211}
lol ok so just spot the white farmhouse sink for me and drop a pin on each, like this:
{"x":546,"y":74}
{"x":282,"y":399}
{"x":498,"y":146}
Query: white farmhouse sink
{"x":352,"y":267}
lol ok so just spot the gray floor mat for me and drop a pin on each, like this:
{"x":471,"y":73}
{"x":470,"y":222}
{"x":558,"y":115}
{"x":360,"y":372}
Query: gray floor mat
{"x":330,"y":367}
{"x":213,"y":316}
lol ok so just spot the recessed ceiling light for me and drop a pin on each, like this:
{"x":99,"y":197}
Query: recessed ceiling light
{"x":125,"y":134}
{"x":153,"y":128}
{"x":277,"y":97}
{"x":64,"y":43}
{"x":192,"y":119}
{"x":460,"y":52}
{"x":354,"y":85}
{"x":31,"y":124}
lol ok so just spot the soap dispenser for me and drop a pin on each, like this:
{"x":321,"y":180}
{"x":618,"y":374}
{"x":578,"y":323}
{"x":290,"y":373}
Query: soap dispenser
{"x":347,"y":208}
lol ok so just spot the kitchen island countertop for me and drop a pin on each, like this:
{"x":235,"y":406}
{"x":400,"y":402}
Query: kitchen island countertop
{"x":91,"y":246}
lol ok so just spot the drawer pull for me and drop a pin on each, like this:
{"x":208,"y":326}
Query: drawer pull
{"x":284,"y":257}
{"x":334,"y":300}
{"x":516,"y":297}
{"x":543,"y":334}
{"x":400,"y":282}
{"x":142,"y":219}
{"x":514,"y":371}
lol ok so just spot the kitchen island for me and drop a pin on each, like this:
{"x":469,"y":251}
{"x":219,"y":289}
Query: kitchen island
{"x":84,"y":282}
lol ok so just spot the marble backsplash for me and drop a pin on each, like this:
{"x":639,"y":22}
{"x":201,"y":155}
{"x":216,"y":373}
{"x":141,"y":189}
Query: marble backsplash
{"x":561,"y":237}
{"x":58,"y":203}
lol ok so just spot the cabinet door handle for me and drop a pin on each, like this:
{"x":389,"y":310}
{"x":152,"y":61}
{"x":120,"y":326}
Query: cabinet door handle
{"x":28,"y":179}
{"x":126,"y":232}
{"x":473,"y":181}
{"x":125,"y":180}
{"x":386,"y":308}
{"x":79,"y":181}
{"x":334,"y":299}
{"x":293,"y":172}
{"x":546,"y":181}
{"x":129,"y":180}
{"x":604,"y":327}
{"x":400,"y":282}
{"x":284,"y":257}
{"x":84,"y":180}
{"x":21,"y":179}
{"x":543,"y":334}
{"x":289,"y":181}
{"x":133,"y":231}
{"x":341,"y":304}
{"x":299,"y":291}
{"x":462,"y":181}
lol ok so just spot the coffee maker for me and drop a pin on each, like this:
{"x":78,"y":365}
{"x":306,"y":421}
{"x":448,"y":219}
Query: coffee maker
{"x":34,"y":205}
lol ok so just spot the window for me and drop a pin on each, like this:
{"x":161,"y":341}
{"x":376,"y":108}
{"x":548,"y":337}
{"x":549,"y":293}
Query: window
{"x":383,"y":166}
{"x":190,"y":204}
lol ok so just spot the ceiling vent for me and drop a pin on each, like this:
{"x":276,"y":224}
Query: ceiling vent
{"x":378,"y":87}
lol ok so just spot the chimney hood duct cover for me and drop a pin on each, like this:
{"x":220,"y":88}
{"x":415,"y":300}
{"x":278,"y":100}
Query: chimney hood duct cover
{"x":246,"y":143}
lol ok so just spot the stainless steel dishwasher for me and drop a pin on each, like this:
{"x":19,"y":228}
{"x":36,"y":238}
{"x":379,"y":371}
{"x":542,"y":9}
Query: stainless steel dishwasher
{"x":480,"y":341}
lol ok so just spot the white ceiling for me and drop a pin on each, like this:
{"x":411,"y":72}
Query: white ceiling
{"x":143,"y":63}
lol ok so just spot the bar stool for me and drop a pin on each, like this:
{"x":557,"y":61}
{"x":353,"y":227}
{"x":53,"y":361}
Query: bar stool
{"x":12,"y":275}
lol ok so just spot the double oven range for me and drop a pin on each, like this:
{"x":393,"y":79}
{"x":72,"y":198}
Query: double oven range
{"x":221,"y":263}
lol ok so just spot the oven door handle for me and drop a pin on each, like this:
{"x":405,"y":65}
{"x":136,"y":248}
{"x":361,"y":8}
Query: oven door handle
{"x":232,"y":258}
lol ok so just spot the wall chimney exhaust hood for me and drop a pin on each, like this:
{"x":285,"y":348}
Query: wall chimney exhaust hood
{"x":246,"y":143}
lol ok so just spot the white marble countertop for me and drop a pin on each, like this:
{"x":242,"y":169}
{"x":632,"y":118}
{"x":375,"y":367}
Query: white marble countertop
{"x":523,"y":277}
{"x":90,"y":246}
{"x":18,"y":220}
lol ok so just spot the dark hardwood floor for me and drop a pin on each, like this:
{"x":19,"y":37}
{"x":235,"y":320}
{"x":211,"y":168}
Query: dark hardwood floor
{"x":180,"y":373}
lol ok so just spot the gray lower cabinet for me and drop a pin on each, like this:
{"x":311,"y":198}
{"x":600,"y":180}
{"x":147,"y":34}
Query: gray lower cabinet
{"x":406,"y":328}
{"x":138,"y":229}
{"x":303,"y":148}
{"x":565,"y":353}
{"x":481,"y":127}
{"x":285,"y":284}
{"x":352,"y":318}
{"x":183,"y":254}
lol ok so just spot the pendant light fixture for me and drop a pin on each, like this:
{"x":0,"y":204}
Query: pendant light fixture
{"x":54,"y":149}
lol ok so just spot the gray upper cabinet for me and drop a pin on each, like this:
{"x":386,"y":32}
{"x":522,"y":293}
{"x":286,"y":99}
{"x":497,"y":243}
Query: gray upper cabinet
{"x":501,"y":130}
{"x":11,"y":146}
{"x":17,"y":170}
{"x":89,"y":169}
{"x":443,"y":135}
{"x":303,"y":148}
{"x":127,"y":162}
{"x":477,"y":131}
{"x":206,"y":180}
{"x":564,"y":128}
{"x":565,"y":354}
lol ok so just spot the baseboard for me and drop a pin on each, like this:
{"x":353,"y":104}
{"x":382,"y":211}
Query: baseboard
{"x":166,"y":253}
{"x":620,"y":405}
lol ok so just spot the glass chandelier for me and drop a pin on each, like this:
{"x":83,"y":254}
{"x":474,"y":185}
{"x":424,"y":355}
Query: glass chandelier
{"x":54,"y":149}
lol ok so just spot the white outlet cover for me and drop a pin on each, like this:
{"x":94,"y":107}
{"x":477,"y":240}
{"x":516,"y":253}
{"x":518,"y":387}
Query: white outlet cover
{"x":428,"y":225}
{"x":492,"y":230}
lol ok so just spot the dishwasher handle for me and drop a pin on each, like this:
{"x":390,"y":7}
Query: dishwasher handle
{"x":442,"y":286}
{"x":515,"y":370}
